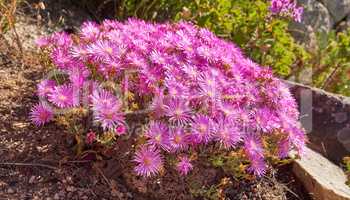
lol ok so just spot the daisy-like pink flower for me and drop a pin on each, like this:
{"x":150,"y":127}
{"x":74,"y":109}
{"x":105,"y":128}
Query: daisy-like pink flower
{"x":109,"y":117}
{"x":45,"y":87}
{"x":209,"y":89}
{"x":178,"y":111}
{"x":61,"y":40}
{"x":258,"y":167}
{"x":202,"y":129}
{"x":157,"y":106}
{"x":158,"y":57}
{"x":255,"y":152}
{"x":205,"y":52}
{"x":227,"y":134}
{"x":41,"y":114}
{"x":176,"y":89}
{"x":158,"y":135}
{"x":63,"y":96}
{"x":104,"y":99}
{"x":184,"y":165}
{"x":178,"y":139}
{"x":148,"y":160}
{"x":78,"y":75}
{"x":61,"y":58}
{"x":284,"y":148}
{"x":107,"y":109}
{"x":89,"y":31}
{"x":79,"y":52}
{"x":103,"y":50}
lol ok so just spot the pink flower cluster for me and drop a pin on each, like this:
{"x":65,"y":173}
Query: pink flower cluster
{"x":198,"y":90}
{"x":287,"y":8}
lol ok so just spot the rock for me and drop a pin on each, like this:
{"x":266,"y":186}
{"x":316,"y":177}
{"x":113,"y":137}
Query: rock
{"x":71,"y":189}
{"x":321,"y":178}
{"x":326,"y":118}
{"x":56,"y":196}
{"x":10,"y":191}
{"x":338,"y":9}
{"x":316,"y":18}
{"x":32,"y":179}
{"x":343,"y":25}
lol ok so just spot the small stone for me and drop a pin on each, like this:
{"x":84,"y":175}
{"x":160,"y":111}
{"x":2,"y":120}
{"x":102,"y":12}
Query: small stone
{"x":32,"y":179}
{"x":129,"y":195}
{"x":10,"y":191}
{"x":62,"y":193}
{"x":71,"y":189}
{"x":56,"y":197}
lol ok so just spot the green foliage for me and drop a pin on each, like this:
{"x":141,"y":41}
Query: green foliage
{"x":331,"y":62}
{"x":207,"y":193}
{"x":233,"y":163}
{"x":155,"y":10}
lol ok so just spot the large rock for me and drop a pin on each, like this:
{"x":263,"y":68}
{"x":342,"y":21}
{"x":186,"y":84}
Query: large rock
{"x":321,"y":178}
{"x":338,"y":9}
{"x":316,"y":18}
{"x":326,"y":118}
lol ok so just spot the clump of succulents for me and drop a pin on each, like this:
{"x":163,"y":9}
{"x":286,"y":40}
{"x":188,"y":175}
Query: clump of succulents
{"x":196,"y":90}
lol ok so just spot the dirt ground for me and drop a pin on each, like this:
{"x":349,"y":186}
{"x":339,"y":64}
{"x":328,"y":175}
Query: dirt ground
{"x":40,"y":163}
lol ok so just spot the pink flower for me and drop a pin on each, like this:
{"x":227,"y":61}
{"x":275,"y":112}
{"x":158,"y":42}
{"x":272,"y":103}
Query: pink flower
{"x":202,"y":129}
{"x":227,"y":134}
{"x":63,"y":96}
{"x":45,"y":87}
{"x":41,"y":114}
{"x":184,"y":165}
{"x":178,"y":111}
{"x":158,"y":135}
{"x":148,"y":160}
{"x":178,"y":139}
{"x":89,"y":31}
{"x":255,"y":152}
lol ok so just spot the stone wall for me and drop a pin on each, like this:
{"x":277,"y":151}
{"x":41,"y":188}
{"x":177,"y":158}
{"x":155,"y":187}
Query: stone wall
{"x":326,"y":118}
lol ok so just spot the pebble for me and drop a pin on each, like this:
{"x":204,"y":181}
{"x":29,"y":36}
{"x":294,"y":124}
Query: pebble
{"x":32,"y":179}
{"x":71,"y":189}
{"x":62,"y":193}
{"x":56,"y":197}
{"x":10,"y":191}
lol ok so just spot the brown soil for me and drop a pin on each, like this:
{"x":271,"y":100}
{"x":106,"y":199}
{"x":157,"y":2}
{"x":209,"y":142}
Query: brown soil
{"x":40,"y":163}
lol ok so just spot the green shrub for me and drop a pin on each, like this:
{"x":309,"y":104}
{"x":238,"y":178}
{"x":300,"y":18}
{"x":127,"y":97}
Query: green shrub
{"x":331,"y":62}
